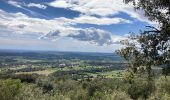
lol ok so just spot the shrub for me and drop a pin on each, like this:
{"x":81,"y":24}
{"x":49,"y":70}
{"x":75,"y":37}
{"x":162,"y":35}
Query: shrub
{"x":141,"y":89}
{"x":77,"y":94}
{"x":29,"y":78}
{"x":115,"y":95}
{"x":159,"y":96}
{"x":163,"y":85}
{"x":9,"y":89}
{"x":118,"y":95}
{"x":100,"y":96}
{"x":163,"y":89}
{"x":66,"y":86}
{"x":46,"y":84}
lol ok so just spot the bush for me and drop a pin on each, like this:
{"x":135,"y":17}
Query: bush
{"x":163,"y":85}
{"x":159,"y":96}
{"x":115,"y":95}
{"x":46,"y":84}
{"x":118,"y":95}
{"x":77,"y":94}
{"x":163,"y":90}
{"x":32,"y":92}
{"x":100,"y":96}
{"x":10,"y":89}
{"x":29,"y":78}
{"x":65,"y":86}
{"x":141,"y":89}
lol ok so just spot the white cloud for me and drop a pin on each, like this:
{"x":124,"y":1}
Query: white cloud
{"x":100,"y":7}
{"x":97,"y":7}
{"x":14,"y":3}
{"x":99,"y":21}
{"x":36,"y":5}
{"x":21,"y":24}
{"x":94,"y":36}
{"x":91,"y":35}
{"x":60,"y":4}
{"x":22,"y":6}
{"x":84,"y":19}
{"x":32,"y":25}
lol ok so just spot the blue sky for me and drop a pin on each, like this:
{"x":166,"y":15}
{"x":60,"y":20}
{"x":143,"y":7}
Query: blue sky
{"x":67,"y":25}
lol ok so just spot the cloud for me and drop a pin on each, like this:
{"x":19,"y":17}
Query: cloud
{"x":23,"y":6}
{"x":93,"y":7}
{"x":14,"y":3}
{"x":90,"y":35}
{"x":83,"y":19}
{"x":21,"y":24}
{"x":20,"y":4}
{"x":51,"y":35}
{"x":60,"y":4}
{"x":100,"y":21}
{"x":102,"y":8}
{"x":36,"y":5}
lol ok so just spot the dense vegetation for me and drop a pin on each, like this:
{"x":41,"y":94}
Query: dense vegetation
{"x":66,"y":88}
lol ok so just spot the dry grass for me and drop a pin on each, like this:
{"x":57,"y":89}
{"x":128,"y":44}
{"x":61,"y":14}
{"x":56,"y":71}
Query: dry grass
{"x":43,"y":72}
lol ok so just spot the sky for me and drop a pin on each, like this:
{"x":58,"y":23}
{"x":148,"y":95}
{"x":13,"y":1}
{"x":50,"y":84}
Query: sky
{"x":68,"y":25}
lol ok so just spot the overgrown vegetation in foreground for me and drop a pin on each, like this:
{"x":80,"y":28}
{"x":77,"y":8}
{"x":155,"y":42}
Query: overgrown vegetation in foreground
{"x":35,"y":87}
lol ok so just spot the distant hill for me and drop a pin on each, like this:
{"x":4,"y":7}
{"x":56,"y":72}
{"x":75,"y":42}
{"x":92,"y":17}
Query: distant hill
{"x":61,"y":55}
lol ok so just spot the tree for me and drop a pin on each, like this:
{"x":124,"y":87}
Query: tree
{"x":132,"y":55}
{"x":153,"y":44}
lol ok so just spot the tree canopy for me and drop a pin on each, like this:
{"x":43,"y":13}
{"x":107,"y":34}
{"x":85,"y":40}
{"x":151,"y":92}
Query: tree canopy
{"x":151,"y":46}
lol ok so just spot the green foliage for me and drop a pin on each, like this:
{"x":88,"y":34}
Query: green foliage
{"x":150,"y":47}
{"x":116,"y":95}
{"x":9,"y":89}
{"x":162,"y":91}
{"x":97,"y":89}
{"x":29,"y":78}
{"x":163,"y":85}
{"x":46,"y":84}
{"x":153,"y":42}
{"x":141,"y":89}
{"x":159,"y":96}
